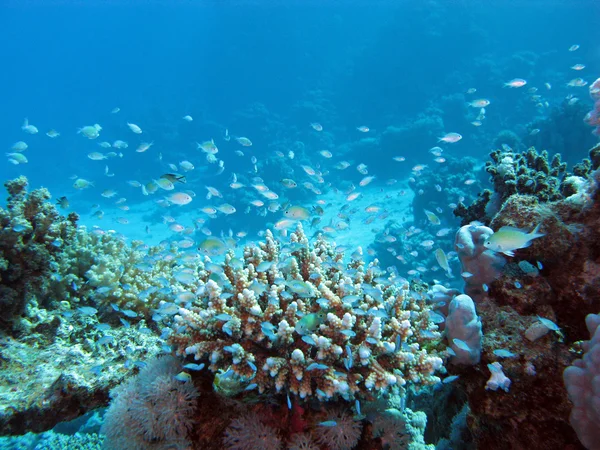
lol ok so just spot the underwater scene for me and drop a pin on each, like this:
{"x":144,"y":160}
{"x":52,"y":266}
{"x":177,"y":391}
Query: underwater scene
{"x":302,"y":225}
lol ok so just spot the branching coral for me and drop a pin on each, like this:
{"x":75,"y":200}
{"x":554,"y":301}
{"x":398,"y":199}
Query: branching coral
{"x":297,"y":320}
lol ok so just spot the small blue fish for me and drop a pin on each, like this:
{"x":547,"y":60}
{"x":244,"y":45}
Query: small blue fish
{"x":251,"y":386}
{"x":183,"y":377}
{"x":348,"y":333}
{"x":348,"y":363}
{"x":264,"y":266}
{"x":144,"y":267}
{"x":371,"y":340}
{"x":485,"y":287}
{"x":267,"y":326}
{"x":317,"y":366}
{"x":461,"y":344}
{"x":357,"y":406}
{"x":224,"y":317}
{"x":129,"y":313}
{"x":398,"y":342}
{"x":227,"y":328}
{"x":252,"y":365}
{"x":105,"y":340}
{"x":97,"y":370}
{"x":549,"y":324}
{"x":104,"y":290}
{"x":540,"y":265}
{"x":192,"y":366}
{"x":328,"y":423}
{"x":351,"y":299}
{"x":19,"y":228}
{"x":124,"y":322}
{"x":436,"y":318}
{"x":450,"y":379}
{"x":309,"y":340}
{"x":87,"y":310}
{"x":289,"y":402}
{"x":518,"y":285}
{"x":503,"y":353}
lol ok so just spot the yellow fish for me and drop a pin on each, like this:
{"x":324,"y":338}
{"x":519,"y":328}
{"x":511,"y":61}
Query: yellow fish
{"x":297,"y":213}
{"x":508,"y":239}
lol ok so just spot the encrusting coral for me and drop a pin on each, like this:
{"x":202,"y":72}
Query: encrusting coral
{"x":296,"y":320}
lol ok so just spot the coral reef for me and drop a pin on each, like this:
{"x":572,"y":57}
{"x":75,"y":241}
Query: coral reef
{"x":296,"y":320}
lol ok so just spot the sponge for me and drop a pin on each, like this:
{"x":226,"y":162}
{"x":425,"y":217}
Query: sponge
{"x":582,"y":380}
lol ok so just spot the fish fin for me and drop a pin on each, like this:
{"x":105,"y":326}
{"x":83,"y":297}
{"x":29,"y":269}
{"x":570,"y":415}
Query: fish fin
{"x":509,"y":253}
{"x":506,"y":228}
{"x":535,"y":232}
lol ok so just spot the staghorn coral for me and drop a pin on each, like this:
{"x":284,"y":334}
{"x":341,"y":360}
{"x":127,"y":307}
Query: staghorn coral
{"x":297,"y":320}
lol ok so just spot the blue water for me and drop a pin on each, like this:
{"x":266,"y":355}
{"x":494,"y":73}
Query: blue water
{"x":266,"y":70}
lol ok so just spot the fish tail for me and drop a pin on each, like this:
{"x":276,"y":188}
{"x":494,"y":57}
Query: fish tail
{"x":535,"y":232}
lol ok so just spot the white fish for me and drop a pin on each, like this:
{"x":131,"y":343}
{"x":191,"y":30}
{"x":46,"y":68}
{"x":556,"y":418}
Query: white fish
{"x":133,"y":127}
{"x":27,"y":128}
